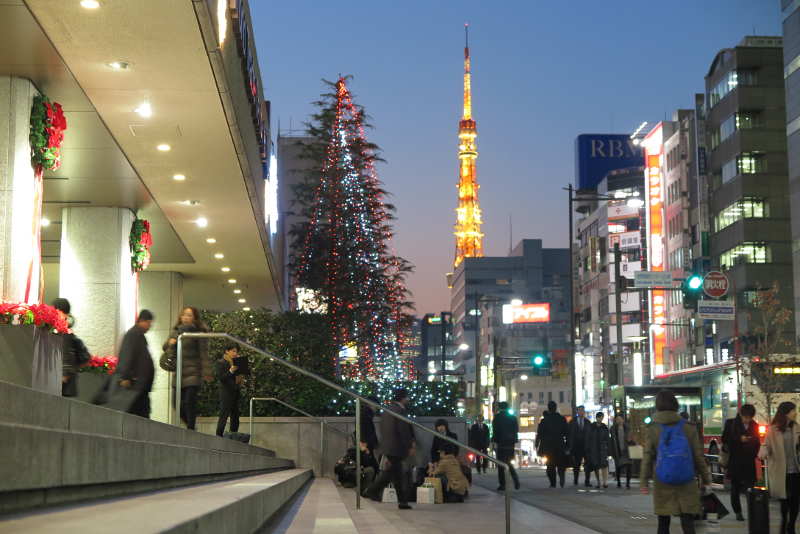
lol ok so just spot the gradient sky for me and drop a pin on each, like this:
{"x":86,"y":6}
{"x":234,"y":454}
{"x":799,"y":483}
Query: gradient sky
{"x":544,"y":71}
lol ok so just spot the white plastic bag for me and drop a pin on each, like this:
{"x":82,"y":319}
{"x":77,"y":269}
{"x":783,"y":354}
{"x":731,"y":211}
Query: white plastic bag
{"x":612,"y":465}
{"x":389,"y":494}
{"x":426,"y":495}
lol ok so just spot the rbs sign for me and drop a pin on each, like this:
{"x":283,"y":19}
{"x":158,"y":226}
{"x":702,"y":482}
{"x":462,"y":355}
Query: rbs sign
{"x":598,"y":154}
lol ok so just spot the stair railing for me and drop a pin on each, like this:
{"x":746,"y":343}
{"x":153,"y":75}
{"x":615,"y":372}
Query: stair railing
{"x":359,"y":400}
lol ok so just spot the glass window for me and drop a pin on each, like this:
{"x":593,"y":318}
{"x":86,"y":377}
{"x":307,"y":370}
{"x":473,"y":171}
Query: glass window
{"x":715,"y":139}
{"x":729,"y":83}
{"x":729,"y":171}
{"x":745,"y":253}
{"x":748,"y":119}
{"x":727,"y":128}
{"x":749,"y":163}
{"x":746,"y":208}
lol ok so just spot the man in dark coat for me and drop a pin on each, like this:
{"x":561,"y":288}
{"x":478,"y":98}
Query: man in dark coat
{"x":229,"y":381}
{"x":505,"y":431}
{"x":135,"y":368}
{"x":368,"y":434}
{"x":580,"y":429}
{"x":551,"y":442}
{"x":397,"y":444}
{"x":479,"y":439}
{"x":740,"y":441}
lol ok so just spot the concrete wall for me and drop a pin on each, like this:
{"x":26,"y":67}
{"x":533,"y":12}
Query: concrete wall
{"x":298,"y":438}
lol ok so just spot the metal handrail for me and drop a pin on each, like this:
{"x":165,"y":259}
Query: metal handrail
{"x":359,"y":399}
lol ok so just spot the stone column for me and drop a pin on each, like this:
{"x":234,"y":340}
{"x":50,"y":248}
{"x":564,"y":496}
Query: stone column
{"x":96,"y":274}
{"x":17,"y":193}
{"x":162,"y":294}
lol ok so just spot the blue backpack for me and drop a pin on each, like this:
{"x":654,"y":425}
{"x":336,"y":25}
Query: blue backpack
{"x":674,"y":459}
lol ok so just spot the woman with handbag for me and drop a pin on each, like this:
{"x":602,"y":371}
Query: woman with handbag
{"x":780,"y":450}
{"x":195,"y":365}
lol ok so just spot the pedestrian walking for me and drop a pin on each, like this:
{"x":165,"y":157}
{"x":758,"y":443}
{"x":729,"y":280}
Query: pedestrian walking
{"x":438,"y":444}
{"x":397,"y":444}
{"x":135,"y":370}
{"x":505,"y":431}
{"x":551,"y":442}
{"x":479,"y":440}
{"x":741,"y":444}
{"x":368,"y":434}
{"x":598,"y":450}
{"x":577,"y":441}
{"x":229,"y":390}
{"x":620,"y":442}
{"x":673,"y":457}
{"x":195,"y":364}
{"x":780,"y":450}
{"x":74,"y":352}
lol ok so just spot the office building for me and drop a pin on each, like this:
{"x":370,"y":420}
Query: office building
{"x":791,"y":75}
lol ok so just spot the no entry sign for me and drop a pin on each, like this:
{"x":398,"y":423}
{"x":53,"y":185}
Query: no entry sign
{"x":715,"y":284}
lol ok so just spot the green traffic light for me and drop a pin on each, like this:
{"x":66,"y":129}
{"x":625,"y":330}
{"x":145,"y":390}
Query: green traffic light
{"x":538,"y":360}
{"x":695,"y":282}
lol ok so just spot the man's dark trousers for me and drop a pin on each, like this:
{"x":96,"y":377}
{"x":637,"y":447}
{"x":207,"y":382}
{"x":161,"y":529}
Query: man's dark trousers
{"x":393,"y":475}
{"x":141,"y":406}
{"x":579,"y":457}
{"x":229,"y":407}
{"x":737,"y":488}
{"x":506,"y":454}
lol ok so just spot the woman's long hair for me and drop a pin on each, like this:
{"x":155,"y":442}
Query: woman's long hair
{"x":197,"y":323}
{"x":781,"y":419}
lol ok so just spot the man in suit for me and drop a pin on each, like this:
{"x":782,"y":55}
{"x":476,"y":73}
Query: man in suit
{"x":479,"y":439}
{"x":135,"y":368}
{"x":740,"y":441}
{"x":397,"y":444}
{"x":580,"y":429}
{"x":505,"y":434}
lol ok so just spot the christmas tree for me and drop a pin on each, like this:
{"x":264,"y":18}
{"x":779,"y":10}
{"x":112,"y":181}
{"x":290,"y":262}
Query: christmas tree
{"x":342,"y":247}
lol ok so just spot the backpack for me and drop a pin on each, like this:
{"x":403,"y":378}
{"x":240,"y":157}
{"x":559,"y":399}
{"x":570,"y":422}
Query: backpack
{"x":674,"y":459}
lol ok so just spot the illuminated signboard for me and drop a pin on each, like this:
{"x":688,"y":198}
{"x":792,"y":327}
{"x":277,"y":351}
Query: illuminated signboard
{"x":653,"y":150}
{"x":786,"y":370}
{"x":526,"y":313}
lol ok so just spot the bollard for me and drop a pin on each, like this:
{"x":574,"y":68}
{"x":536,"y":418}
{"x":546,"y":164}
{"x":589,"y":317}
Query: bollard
{"x":758,"y":510}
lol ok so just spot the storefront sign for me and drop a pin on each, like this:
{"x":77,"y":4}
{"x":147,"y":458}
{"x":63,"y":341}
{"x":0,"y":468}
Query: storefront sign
{"x":526,"y":313}
{"x":598,"y":154}
{"x":653,"y":150}
{"x":719,"y":310}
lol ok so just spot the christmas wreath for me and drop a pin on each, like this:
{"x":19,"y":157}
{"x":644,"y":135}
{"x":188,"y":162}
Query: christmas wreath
{"x":47,"y":134}
{"x":13,"y":313}
{"x":140,"y":242}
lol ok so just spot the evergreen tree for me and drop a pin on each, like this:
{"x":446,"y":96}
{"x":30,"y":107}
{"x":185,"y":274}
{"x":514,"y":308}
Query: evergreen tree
{"x":341,"y":248}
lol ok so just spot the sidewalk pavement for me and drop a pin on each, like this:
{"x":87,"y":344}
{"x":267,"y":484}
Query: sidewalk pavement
{"x":609,"y":511}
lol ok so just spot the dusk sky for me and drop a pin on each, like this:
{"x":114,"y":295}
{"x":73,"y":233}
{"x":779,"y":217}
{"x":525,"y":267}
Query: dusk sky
{"x":543,"y":72}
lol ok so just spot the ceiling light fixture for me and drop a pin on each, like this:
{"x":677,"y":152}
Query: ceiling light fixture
{"x":90,"y":4}
{"x":190,"y":202}
{"x":246,"y":308}
{"x":144,"y":110}
{"x":202,"y":222}
{"x":237,"y":291}
{"x":219,"y":255}
{"x":163,"y":147}
{"x":226,"y":269}
{"x":45,"y":222}
{"x":242,"y":301}
{"x":119,"y":65}
{"x":231,"y":280}
{"x":179,"y":177}
{"x":211,"y":240}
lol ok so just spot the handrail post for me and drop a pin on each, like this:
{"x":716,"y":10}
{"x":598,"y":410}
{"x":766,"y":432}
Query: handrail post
{"x":358,"y":454}
{"x":322,"y":448}
{"x":178,"y":378}
{"x":251,"y":419}
{"x":508,"y":499}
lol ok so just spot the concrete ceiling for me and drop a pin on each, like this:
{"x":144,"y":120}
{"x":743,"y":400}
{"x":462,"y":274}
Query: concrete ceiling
{"x":110,"y":156}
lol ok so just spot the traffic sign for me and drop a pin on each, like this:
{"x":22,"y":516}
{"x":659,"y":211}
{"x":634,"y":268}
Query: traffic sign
{"x":715,"y":284}
{"x":719,"y":310}
{"x":652,"y":279}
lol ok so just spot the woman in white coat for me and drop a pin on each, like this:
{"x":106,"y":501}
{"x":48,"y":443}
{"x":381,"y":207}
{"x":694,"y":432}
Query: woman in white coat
{"x":783,"y":467}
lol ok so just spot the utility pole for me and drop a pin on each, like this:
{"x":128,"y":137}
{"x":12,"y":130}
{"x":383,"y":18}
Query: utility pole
{"x":618,"y":305}
{"x":571,"y":337}
{"x":476,"y":349}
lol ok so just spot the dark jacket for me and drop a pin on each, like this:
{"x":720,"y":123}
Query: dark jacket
{"x":396,"y":436}
{"x":599,"y":446}
{"x":551,"y":439}
{"x":578,"y":436}
{"x":438,"y":445}
{"x":368,"y":433}
{"x":504,"y":430}
{"x":479,"y":436}
{"x":194,"y":356}
{"x":620,"y":448}
{"x":228,"y":388}
{"x":742,"y":455}
{"x":135,"y":363}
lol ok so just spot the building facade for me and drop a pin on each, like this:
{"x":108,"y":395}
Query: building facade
{"x":791,"y":75}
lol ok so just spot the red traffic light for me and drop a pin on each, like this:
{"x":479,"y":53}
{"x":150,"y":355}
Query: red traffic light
{"x":762,"y":430}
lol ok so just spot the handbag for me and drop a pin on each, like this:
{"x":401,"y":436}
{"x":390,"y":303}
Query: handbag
{"x":635,"y":452}
{"x":436,"y":484}
{"x":426,"y":494}
{"x":168,"y":361}
{"x":612,"y":465}
{"x":389,"y":494}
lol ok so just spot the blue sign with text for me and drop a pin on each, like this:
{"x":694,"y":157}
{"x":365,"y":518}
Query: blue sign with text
{"x":598,"y":154}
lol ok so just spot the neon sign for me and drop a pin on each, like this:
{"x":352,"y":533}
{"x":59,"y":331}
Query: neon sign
{"x":653,"y":149}
{"x":526,"y":313}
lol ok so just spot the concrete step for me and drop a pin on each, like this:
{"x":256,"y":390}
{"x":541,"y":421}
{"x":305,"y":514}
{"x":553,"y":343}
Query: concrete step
{"x":239,"y":506}
{"x":321,"y":511}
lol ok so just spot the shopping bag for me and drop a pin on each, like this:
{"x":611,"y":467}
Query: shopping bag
{"x":635,"y":452}
{"x":436,"y":483}
{"x":389,"y":494}
{"x":426,"y":495}
{"x":712,"y":505}
{"x":612,"y":465}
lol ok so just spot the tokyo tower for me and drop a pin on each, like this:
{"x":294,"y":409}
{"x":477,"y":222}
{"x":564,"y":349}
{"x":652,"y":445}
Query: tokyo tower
{"x":469,"y":239}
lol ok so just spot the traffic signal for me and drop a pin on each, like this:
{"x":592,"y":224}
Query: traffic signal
{"x":541,"y":364}
{"x":692,"y":290}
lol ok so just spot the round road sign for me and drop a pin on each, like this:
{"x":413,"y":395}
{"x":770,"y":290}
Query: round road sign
{"x":715,"y":284}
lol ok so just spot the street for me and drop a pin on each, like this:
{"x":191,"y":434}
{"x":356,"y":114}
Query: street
{"x":610,"y":511}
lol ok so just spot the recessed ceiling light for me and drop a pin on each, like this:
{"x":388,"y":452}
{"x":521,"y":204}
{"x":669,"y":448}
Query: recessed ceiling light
{"x":45,"y":221}
{"x":163,"y":147}
{"x":179,"y":177}
{"x":246,"y":308}
{"x":226,"y":269}
{"x":190,"y":202}
{"x":145,"y":110}
{"x":242,"y":301}
{"x":231,"y":280}
{"x":219,"y":255}
{"x":211,"y":240}
{"x":237,"y":291}
{"x":202,"y":222}
{"x":90,"y":4}
{"x":119,"y":65}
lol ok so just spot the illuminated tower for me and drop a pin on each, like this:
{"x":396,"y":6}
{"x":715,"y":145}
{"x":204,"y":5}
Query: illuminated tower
{"x":469,"y":239}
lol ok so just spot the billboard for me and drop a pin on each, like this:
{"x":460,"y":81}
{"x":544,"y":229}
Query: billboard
{"x":538,"y":312}
{"x":598,"y":154}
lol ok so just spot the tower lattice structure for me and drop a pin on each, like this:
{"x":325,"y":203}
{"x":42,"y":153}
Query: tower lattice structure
{"x":469,"y":239}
